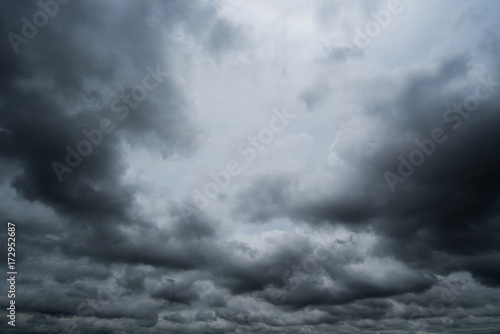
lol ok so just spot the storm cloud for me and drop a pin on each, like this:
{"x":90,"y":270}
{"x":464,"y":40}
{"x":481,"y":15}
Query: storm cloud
{"x":251,"y":166}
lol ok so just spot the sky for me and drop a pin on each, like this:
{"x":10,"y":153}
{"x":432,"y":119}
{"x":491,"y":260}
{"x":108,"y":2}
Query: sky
{"x":251,"y":166}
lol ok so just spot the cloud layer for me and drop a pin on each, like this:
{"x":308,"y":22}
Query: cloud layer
{"x":252,"y":166}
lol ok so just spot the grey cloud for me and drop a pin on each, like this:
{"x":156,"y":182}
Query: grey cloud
{"x":108,"y":251}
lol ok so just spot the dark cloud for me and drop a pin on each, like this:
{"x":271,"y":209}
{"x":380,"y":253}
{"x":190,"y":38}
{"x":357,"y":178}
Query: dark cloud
{"x":293,"y":244}
{"x":176,"y":317}
{"x":448,"y":204}
{"x":313,"y":96}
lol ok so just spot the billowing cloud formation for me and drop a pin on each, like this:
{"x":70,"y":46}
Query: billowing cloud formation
{"x":251,"y":166}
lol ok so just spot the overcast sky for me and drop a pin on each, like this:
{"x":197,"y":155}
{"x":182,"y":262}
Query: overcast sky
{"x":237,"y":166}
